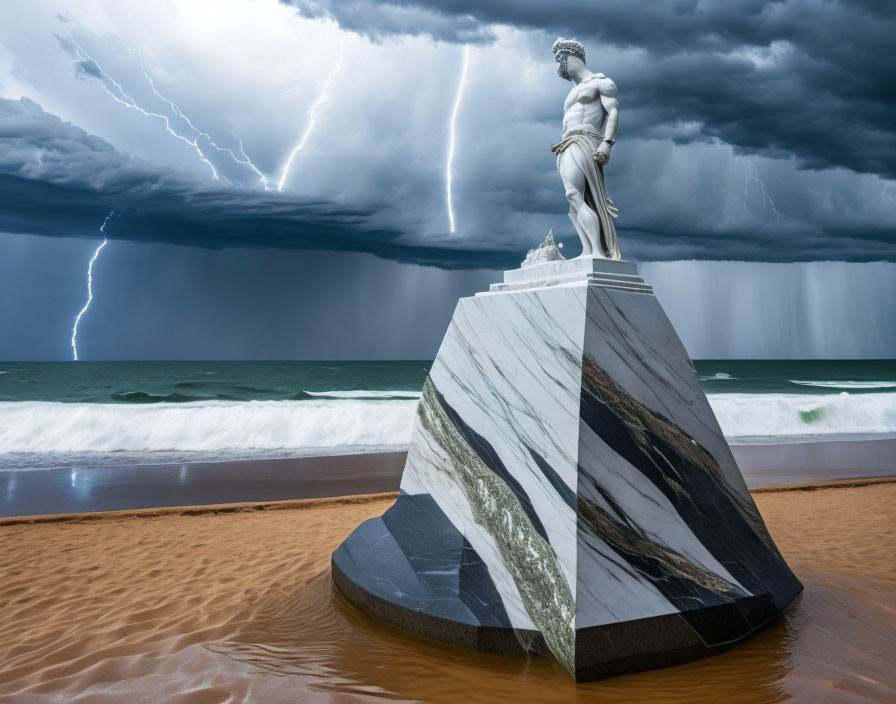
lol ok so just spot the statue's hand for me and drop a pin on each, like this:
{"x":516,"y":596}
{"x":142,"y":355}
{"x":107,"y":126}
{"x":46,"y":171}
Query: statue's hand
{"x":602,"y":153}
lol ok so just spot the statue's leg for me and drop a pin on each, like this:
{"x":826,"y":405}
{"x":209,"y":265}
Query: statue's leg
{"x":587,"y":250}
{"x":584,"y":218}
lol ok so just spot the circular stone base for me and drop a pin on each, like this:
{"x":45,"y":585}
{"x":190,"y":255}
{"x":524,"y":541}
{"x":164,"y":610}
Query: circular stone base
{"x":412,"y":568}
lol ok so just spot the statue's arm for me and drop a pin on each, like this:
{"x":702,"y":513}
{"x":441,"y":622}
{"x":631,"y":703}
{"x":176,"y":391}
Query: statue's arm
{"x":611,"y":105}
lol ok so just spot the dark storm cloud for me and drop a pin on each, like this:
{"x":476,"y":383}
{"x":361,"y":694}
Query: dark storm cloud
{"x":57,"y":180}
{"x":379,"y":20}
{"x":808,"y":78}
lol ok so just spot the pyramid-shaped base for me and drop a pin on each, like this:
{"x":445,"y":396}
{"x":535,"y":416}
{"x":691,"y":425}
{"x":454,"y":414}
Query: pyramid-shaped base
{"x":568,"y":490}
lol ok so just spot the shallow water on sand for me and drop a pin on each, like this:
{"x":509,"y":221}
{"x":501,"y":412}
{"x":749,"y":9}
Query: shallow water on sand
{"x":837,"y":638}
{"x":214,"y":608}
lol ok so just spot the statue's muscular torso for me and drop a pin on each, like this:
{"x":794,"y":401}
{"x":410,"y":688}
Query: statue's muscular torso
{"x":583,"y":108}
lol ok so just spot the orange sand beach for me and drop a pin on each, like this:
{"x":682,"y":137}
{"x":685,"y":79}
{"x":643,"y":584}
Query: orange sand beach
{"x":232,"y":604}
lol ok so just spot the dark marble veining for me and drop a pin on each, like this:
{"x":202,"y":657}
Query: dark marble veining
{"x":565,"y":493}
{"x":414,"y":557}
{"x":569,"y":492}
{"x":483,"y":450}
{"x":690,"y":479}
{"x":494,"y":504}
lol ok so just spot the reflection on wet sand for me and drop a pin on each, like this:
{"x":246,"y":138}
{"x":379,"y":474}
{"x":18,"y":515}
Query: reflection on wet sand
{"x":827,"y":639}
{"x":837,"y":635}
{"x":241,"y":607}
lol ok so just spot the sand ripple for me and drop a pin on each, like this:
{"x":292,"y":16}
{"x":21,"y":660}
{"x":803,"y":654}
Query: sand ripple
{"x":239,"y":607}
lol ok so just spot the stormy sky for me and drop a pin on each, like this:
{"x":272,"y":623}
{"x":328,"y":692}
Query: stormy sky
{"x":750,"y":131}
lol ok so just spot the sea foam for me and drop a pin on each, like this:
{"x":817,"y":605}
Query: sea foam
{"x":757,"y":418}
{"x":355,"y":424}
{"x":362,"y":393}
{"x":47,"y":426}
{"x":855,"y":385}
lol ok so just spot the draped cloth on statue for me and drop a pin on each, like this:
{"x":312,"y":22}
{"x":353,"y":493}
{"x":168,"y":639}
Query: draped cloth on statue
{"x":579,"y":145}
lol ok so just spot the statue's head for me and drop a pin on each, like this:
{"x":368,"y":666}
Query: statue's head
{"x":566,"y":51}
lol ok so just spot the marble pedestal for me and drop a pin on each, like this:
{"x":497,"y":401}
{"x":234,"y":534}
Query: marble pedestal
{"x":568,"y":489}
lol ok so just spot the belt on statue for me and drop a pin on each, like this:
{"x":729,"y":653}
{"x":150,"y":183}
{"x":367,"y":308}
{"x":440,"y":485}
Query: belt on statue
{"x":570,"y":138}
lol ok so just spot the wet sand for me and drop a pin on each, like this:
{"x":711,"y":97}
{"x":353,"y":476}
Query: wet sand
{"x":80,"y":490}
{"x":815,"y":461}
{"x":87,"y":489}
{"x":236,"y":604}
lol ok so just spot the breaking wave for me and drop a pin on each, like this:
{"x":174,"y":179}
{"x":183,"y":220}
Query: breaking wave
{"x":40,"y":433}
{"x":362,"y":394}
{"x":206,"y":426}
{"x":847,"y":384}
{"x":775,"y":417}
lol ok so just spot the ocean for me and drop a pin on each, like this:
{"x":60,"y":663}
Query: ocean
{"x":94,"y":414}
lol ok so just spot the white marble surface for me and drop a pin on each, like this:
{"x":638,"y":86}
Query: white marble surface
{"x":613,"y":273}
{"x":607,"y":593}
{"x":636,"y":344}
{"x":581,"y":266}
{"x":511,"y":369}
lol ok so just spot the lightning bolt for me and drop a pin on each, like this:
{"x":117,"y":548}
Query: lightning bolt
{"x":312,"y":114}
{"x":199,"y":133}
{"x":451,"y":140}
{"x":750,"y":174}
{"x":116,"y":91}
{"x":89,"y":286}
{"x":248,"y":162}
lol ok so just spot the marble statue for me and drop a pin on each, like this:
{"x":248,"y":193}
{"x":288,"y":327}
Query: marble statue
{"x":568,"y":490}
{"x":590,"y":123}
